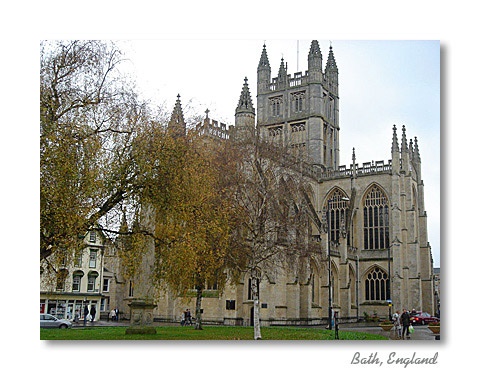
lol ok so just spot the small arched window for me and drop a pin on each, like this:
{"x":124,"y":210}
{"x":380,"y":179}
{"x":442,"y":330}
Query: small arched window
{"x":377,"y":286}
{"x":77,"y":281}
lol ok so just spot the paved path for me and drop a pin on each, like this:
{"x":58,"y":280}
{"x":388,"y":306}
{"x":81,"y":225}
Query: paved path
{"x":421,"y":332}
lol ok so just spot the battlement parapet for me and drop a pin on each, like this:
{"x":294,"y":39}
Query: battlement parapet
{"x":213,"y":128}
{"x":368,"y":168}
{"x":298,"y":80}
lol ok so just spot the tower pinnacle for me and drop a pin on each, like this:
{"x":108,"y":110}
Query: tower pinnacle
{"x":315,"y":62}
{"x":416,"y":153}
{"x":314,"y":57}
{"x":331,"y":63}
{"x":245,"y":103}
{"x":177,"y":124}
{"x":264,"y":72}
{"x":264,"y":59}
{"x":395,"y":140}
{"x":244,"y":115}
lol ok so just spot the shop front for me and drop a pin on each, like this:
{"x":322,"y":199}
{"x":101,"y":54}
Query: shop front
{"x":71,"y":306}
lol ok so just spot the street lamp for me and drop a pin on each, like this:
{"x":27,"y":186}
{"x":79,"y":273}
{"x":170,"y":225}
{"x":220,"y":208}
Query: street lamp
{"x":329,"y":231}
{"x":390,"y":281}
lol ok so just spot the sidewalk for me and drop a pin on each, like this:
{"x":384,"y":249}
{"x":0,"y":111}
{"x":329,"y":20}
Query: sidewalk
{"x":421,"y":332}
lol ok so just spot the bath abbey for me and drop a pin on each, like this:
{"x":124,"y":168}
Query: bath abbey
{"x":370,"y":226}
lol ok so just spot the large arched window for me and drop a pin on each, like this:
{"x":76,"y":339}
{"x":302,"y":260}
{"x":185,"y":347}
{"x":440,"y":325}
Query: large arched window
{"x":375,"y":220}
{"x":377,"y":286}
{"x":337,"y":205}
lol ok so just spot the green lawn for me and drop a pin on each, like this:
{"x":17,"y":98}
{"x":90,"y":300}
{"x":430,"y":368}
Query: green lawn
{"x":208,"y":333}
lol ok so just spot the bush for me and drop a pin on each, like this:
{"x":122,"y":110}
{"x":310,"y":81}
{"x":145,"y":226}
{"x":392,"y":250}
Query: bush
{"x":386,"y":322}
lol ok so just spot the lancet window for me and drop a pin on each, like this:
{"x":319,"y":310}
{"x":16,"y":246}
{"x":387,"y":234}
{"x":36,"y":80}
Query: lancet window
{"x":275,"y":106}
{"x":376,"y":220}
{"x":298,"y":101}
{"x":336,"y":207}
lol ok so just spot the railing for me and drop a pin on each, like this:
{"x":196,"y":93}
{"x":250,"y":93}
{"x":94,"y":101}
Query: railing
{"x":297,"y":80}
{"x":376,"y":167}
{"x":215,"y":129}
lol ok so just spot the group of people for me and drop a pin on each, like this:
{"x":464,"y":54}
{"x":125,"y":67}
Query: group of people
{"x":402,"y":324}
{"x":88,"y":315}
{"x":186,"y":318}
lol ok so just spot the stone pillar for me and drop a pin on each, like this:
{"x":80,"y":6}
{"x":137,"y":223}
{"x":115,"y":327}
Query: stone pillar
{"x":141,"y":317}
{"x":141,"y":308}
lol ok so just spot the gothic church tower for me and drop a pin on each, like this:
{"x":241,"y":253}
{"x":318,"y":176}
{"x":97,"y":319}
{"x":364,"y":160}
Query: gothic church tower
{"x":301,"y":112}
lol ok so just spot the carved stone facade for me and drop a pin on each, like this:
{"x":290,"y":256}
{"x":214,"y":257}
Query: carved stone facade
{"x":380,"y":258}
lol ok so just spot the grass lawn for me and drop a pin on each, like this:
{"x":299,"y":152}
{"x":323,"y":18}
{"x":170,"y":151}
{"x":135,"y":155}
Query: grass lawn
{"x":208,"y":333}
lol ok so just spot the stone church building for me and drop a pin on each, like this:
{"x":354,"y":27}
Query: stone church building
{"x":371,"y":232}
{"x":382,"y":264}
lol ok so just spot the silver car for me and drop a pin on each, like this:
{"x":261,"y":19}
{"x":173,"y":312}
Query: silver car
{"x":49,"y":321}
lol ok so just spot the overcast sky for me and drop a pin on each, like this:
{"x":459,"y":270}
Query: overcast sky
{"x":381,"y":83}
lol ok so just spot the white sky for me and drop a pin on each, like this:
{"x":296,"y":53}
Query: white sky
{"x":381,"y":83}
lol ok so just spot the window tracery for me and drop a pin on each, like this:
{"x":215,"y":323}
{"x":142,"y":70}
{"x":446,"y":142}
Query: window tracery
{"x":376,"y":220}
{"x":276,"y":105}
{"x":377,"y":285}
{"x":336,"y":207}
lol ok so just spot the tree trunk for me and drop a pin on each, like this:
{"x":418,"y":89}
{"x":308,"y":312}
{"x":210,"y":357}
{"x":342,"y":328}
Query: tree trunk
{"x":198,"y":309}
{"x":256,"y":309}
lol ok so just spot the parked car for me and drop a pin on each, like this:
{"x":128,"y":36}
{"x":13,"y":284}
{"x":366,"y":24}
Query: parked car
{"x":422,"y":318}
{"x":49,"y":321}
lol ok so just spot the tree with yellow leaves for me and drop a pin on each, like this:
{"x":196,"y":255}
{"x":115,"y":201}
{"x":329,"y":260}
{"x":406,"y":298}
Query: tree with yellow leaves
{"x":88,"y":117}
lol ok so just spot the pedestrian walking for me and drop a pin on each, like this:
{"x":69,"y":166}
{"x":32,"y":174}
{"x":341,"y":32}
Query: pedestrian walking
{"x":112,"y":314}
{"x":397,"y":325}
{"x":93,"y":311}
{"x":85,"y":314}
{"x":182,"y":318}
{"x":405,"y":321}
{"x":188,"y":317}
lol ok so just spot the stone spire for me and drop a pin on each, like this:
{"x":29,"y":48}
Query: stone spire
{"x":404,"y":140}
{"x":315,"y":63}
{"x":331,"y":72}
{"x":395,"y":151}
{"x":245,"y":103}
{"x":177,"y":125}
{"x":263,"y":64}
{"x":395,"y":140}
{"x":416,"y":152}
{"x":354,"y":164}
{"x":314,"y":57}
{"x":264,"y":73}
{"x":404,"y":152}
{"x":282,"y":74}
{"x":244,"y":116}
{"x":331,"y":63}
